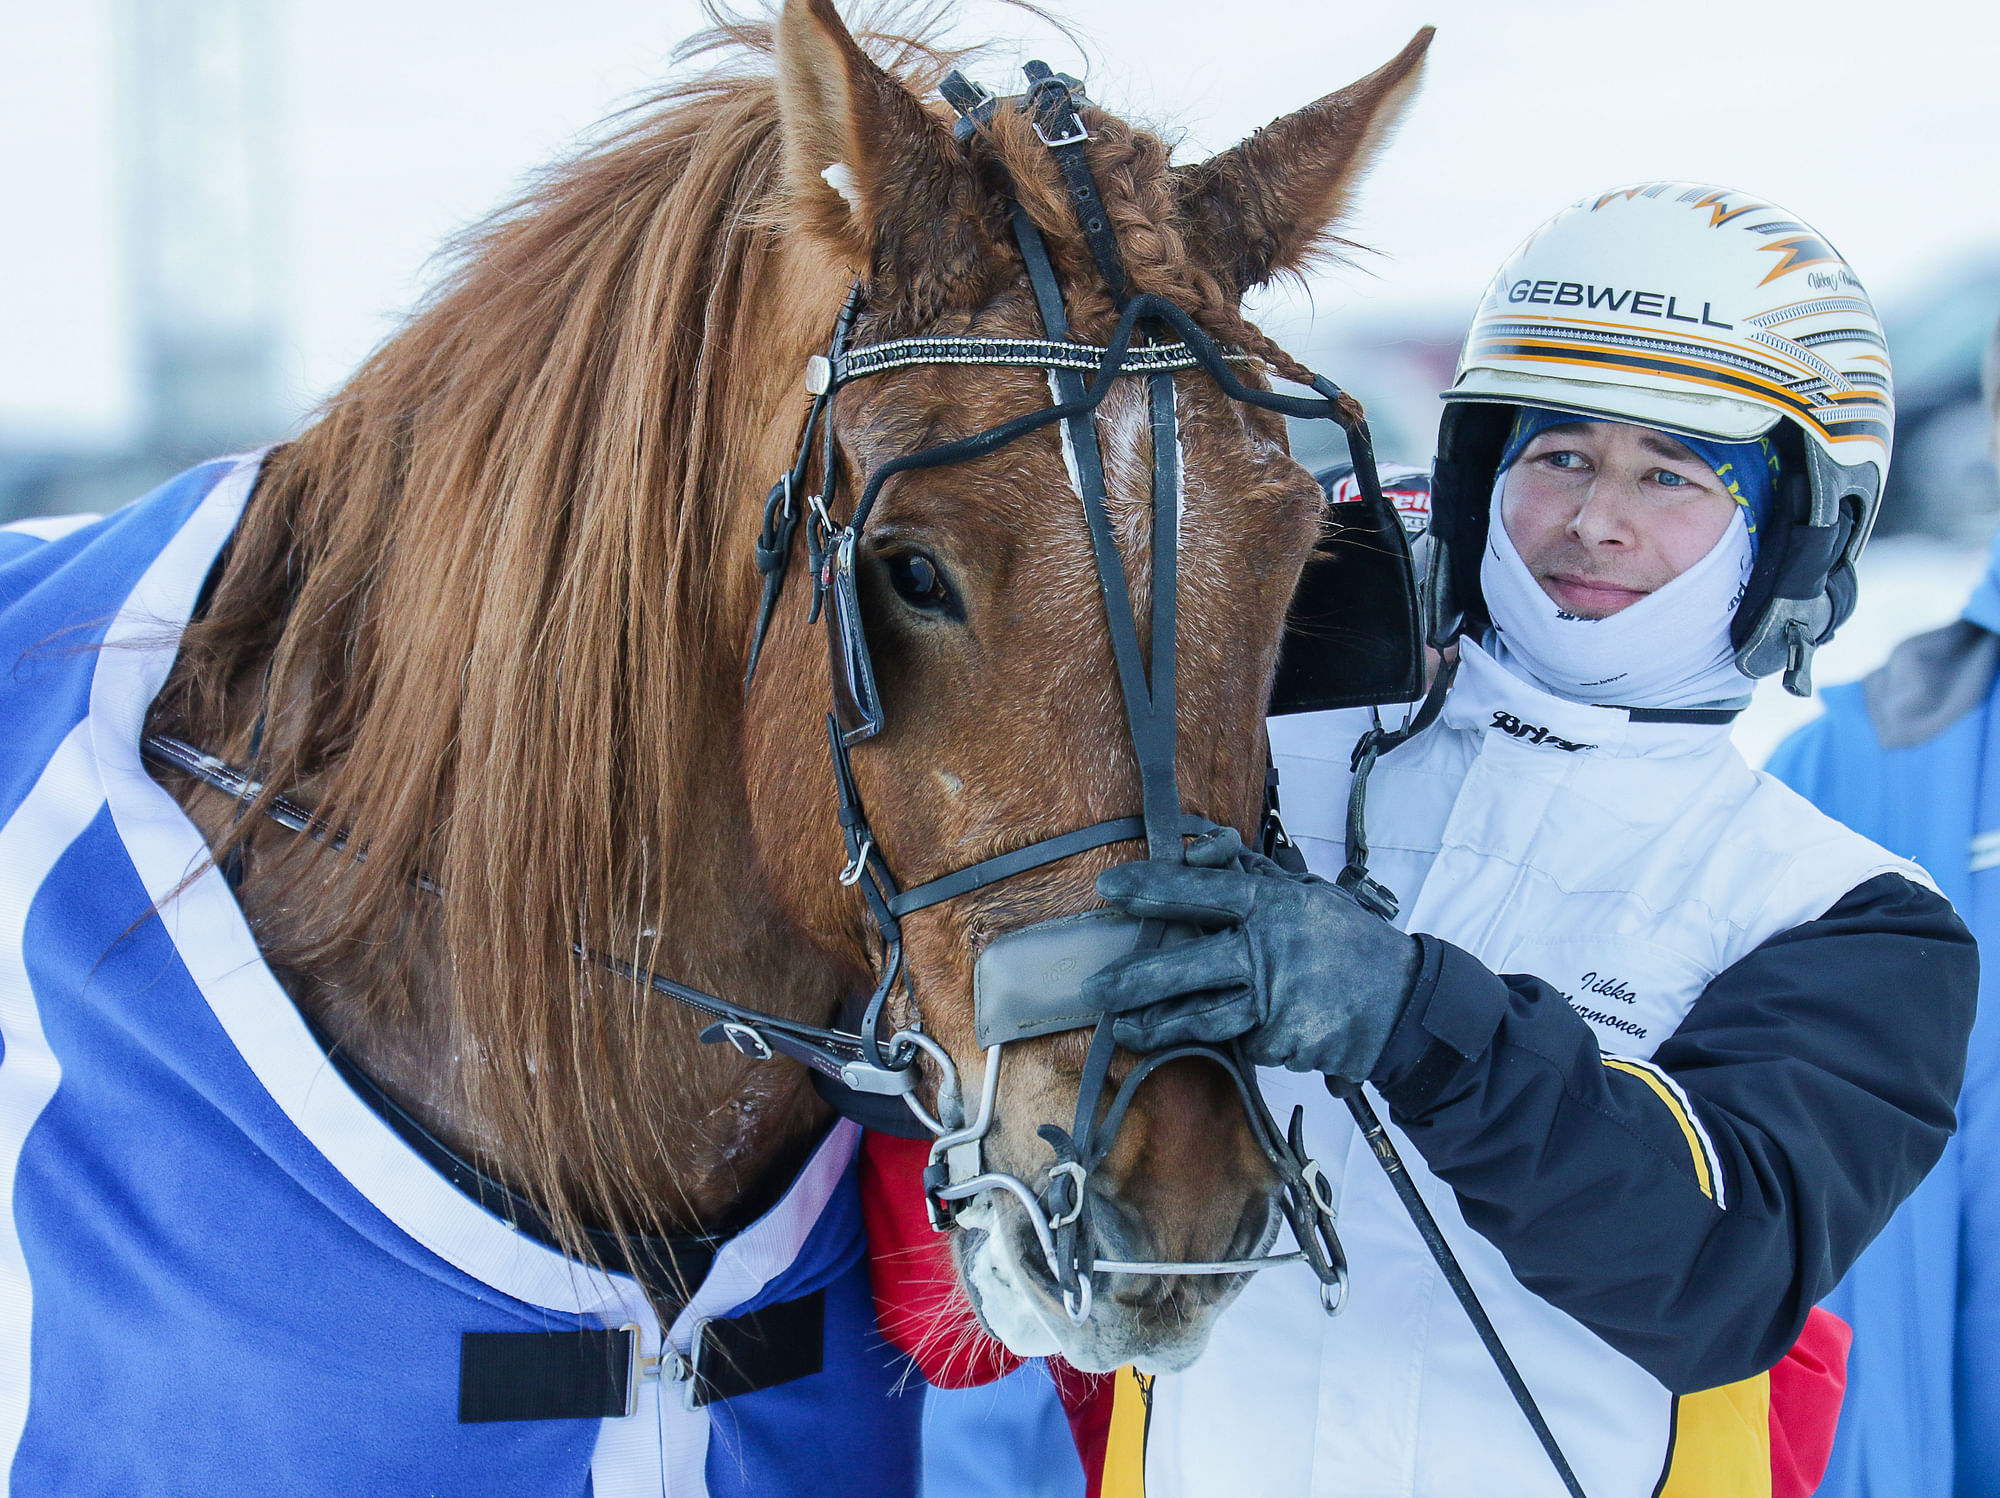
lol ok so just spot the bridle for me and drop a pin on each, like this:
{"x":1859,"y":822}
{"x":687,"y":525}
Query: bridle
{"x":1009,"y":1006}
{"x":1059,"y":1214}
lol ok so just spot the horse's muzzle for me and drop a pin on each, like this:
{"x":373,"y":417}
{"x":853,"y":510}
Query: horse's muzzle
{"x":1030,"y":982}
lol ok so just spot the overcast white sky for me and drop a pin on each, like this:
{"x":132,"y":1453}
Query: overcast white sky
{"x":402,"y":120}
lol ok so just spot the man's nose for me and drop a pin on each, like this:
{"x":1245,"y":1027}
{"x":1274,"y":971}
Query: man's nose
{"x":1603,"y":519}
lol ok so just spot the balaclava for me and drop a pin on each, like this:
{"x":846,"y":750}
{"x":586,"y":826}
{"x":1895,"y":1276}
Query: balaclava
{"x":1671,"y":649}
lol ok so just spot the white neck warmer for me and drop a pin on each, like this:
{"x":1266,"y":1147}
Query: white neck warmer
{"x":1670,"y":649}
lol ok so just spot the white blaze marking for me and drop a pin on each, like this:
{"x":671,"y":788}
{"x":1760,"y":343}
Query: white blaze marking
{"x":840,"y":177}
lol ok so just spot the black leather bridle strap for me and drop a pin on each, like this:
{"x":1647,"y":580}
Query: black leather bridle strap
{"x":1323,"y":406}
{"x":1152,"y":737}
{"x":870,"y":869}
{"x":784,"y":506}
{"x":239,"y":786}
{"x":867,"y":868}
{"x":1149,"y":697}
{"x":1042,"y":276}
{"x":930,"y":350}
{"x":1049,"y":850}
{"x":1371,"y":746}
{"x":825,"y":1050}
{"x":1052,"y":103}
{"x":1158,"y":756}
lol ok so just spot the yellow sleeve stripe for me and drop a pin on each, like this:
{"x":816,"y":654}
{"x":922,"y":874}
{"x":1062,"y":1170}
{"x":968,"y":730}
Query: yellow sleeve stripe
{"x":1707,"y":1168}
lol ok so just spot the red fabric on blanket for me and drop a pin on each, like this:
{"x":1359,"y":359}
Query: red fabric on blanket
{"x":918,"y":1303}
{"x":922,"y":1311}
{"x":1087,"y":1399}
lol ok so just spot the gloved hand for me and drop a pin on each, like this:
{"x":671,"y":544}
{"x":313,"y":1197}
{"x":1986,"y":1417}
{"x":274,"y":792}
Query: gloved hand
{"x":1291,"y":963}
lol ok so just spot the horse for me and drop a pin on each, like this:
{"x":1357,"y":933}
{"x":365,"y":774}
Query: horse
{"x":487,"y":619}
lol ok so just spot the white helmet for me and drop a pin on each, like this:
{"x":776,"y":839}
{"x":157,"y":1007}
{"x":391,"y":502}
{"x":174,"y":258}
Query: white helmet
{"x":1696,"y":310}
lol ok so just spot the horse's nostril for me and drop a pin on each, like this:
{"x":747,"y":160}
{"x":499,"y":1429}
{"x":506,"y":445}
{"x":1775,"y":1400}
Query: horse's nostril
{"x":1120,"y":1233}
{"x":1255,"y":1228}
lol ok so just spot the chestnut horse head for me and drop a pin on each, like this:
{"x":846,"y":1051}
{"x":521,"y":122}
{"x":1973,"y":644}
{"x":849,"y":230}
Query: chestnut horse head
{"x":492,"y":611}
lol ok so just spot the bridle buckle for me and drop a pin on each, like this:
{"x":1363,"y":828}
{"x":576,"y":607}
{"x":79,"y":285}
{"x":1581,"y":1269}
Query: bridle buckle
{"x":1320,"y":1188}
{"x":747,"y":1040}
{"x":1076,"y":135}
{"x":858,"y":864}
{"x":1073,"y":1172}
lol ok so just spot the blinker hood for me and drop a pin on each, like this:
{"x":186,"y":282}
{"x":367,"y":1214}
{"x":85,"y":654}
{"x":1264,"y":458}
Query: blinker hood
{"x":1354,"y":632}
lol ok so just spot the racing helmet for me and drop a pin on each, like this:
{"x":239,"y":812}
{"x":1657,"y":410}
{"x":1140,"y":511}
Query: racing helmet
{"x":1704,"y":312}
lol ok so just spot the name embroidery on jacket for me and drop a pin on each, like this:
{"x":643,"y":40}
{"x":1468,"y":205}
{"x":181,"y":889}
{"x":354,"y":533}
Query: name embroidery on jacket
{"x":1594,"y":984}
{"x":1610,"y":987}
{"x":1508,"y":724}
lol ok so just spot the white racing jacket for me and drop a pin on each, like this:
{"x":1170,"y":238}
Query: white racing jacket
{"x":1728,"y":1045}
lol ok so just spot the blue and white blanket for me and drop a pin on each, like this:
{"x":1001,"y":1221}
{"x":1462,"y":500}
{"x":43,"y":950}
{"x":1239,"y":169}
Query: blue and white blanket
{"x":220,"y":1270}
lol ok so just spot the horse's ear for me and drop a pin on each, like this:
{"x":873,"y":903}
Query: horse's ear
{"x":1260,"y":208}
{"x":867,"y":168}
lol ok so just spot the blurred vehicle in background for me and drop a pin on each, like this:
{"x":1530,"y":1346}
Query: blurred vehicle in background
{"x":1942,"y":481}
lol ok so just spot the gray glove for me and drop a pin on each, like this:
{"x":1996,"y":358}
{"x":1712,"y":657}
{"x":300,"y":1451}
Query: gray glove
{"x":1291,"y":963}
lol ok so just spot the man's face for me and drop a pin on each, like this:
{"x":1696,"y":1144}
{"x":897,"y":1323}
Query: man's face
{"x":1603,"y":513}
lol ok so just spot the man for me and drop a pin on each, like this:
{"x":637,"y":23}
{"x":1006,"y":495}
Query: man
{"x":1907,"y":758}
{"x":1663,"y":1047}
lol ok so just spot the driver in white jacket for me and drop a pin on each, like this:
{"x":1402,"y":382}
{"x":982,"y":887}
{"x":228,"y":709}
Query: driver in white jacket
{"x":1662,"y":1046}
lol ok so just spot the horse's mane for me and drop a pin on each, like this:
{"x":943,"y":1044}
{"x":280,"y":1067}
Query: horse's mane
{"x":482,"y":609}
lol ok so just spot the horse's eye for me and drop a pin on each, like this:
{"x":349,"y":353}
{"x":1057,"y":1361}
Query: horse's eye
{"x":919,"y":581}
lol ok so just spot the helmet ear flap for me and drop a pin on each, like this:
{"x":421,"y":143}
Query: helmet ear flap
{"x":1471,"y":437}
{"x":1804,"y":585}
{"x":1791,"y":508}
{"x":1842,"y":589}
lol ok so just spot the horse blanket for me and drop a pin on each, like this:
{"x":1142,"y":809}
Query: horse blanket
{"x":221,"y":1271}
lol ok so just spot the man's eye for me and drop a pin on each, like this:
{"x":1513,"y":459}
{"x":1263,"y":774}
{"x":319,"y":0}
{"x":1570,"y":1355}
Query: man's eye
{"x":1564,"y":459}
{"x":1669,"y":478}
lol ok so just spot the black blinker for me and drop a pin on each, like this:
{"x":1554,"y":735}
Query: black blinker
{"x":1352,"y":634}
{"x":857,"y":706}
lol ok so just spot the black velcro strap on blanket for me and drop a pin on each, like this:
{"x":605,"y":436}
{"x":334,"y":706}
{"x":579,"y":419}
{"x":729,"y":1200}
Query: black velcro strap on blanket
{"x":581,"y":1375}
{"x":760,"y":1350}
{"x":594,"y":1374}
